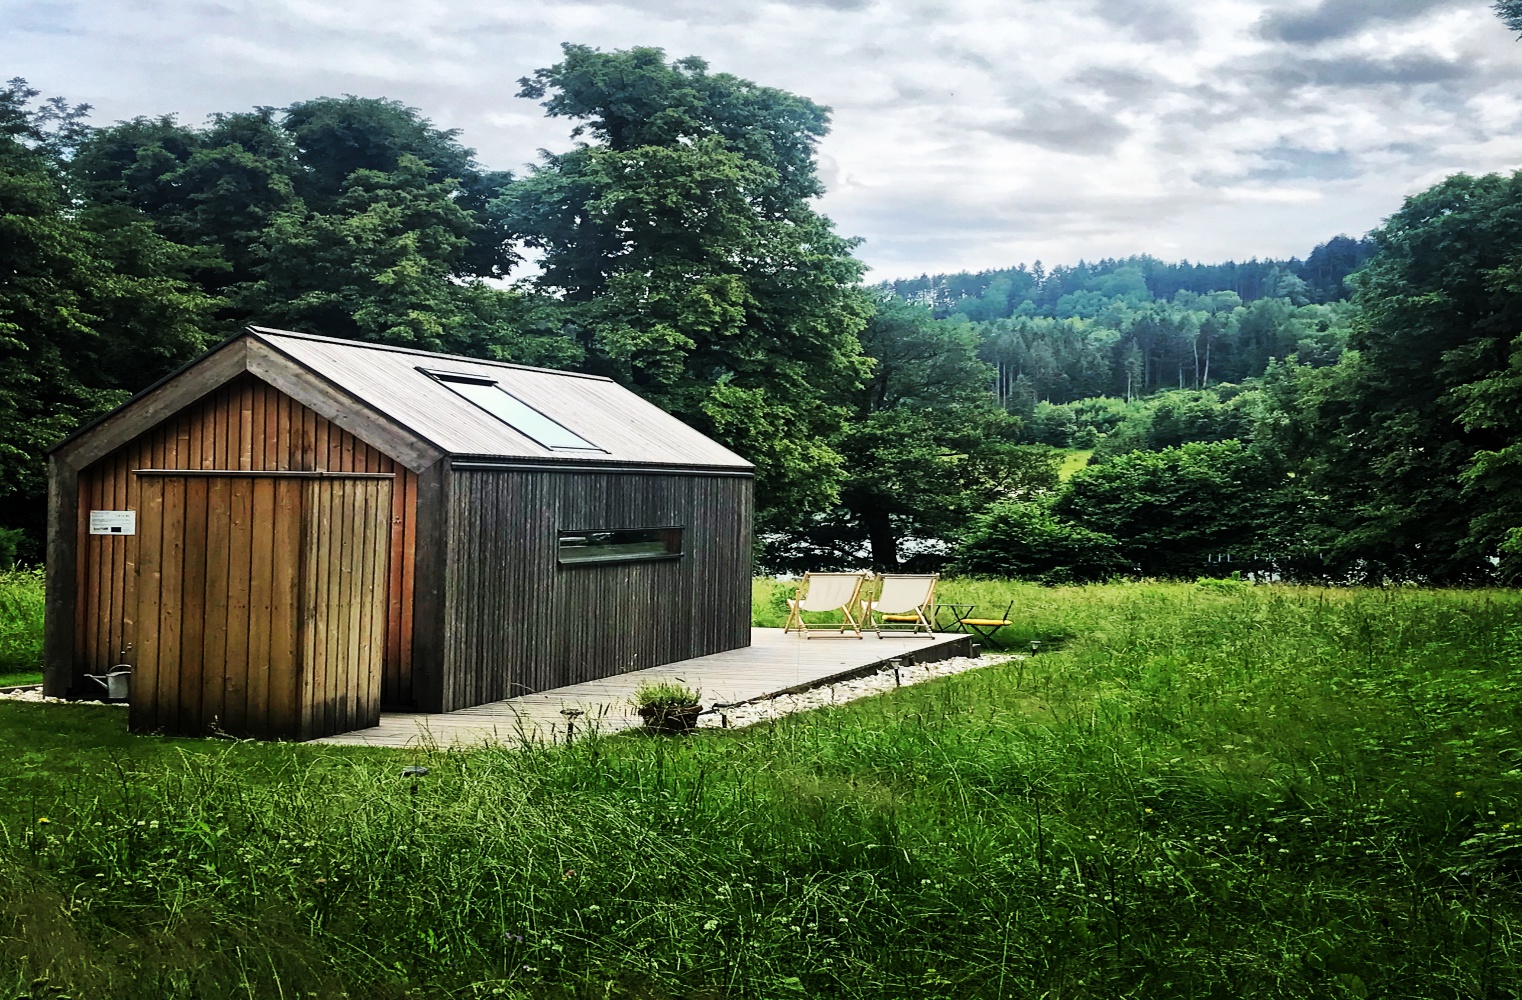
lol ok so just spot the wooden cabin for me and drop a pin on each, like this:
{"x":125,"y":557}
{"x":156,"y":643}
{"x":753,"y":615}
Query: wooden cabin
{"x":293,"y":531}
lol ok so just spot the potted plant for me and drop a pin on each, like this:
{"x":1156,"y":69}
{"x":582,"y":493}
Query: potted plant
{"x":668,"y":706}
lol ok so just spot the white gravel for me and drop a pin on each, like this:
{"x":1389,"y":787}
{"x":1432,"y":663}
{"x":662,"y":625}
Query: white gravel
{"x":35,"y":694}
{"x":753,"y":712}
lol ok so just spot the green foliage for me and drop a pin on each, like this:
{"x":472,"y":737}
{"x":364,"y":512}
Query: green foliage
{"x":1399,"y":427}
{"x":1494,"y":403}
{"x":1510,"y":13}
{"x":94,"y":305}
{"x":1024,"y":540}
{"x":665,"y":694}
{"x":1170,"y":510}
{"x":926,"y":446}
{"x":690,"y":263}
{"x":1265,"y":791}
{"x":21,"y":607}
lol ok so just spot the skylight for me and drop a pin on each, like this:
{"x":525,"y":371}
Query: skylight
{"x":515,"y":413}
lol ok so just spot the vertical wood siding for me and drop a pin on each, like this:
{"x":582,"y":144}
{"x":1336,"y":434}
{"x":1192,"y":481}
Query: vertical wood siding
{"x":516,"y":621}
{"x":245,"y":425}
{"x":259,"y":604}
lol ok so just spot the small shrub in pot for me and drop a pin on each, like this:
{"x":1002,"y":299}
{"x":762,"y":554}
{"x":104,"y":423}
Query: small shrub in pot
{"x":668,"y":706}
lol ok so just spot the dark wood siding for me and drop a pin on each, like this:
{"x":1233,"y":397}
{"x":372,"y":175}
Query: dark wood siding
{"x":244,"y":425}
{"x":261,"y":599}
{"x":516,"y":621}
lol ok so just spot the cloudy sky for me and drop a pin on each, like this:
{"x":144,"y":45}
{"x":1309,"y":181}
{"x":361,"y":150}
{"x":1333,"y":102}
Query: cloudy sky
{"x":968,"y":134}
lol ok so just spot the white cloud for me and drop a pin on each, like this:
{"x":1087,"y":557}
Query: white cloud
{"x":968,"y":133}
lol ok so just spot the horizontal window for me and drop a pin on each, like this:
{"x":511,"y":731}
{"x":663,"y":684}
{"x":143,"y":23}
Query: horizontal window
{"x":619,"y":545}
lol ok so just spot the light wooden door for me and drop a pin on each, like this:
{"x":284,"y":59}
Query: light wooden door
{"x":261,"y":603}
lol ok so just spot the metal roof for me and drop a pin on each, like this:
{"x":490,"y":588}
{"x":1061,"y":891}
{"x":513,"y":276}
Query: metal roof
{"x":395,"y":382}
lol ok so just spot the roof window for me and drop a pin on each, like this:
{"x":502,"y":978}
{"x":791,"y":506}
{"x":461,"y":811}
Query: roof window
{"x":513,"y":412}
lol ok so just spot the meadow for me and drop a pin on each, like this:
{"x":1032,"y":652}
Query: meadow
{"x":1194,"y":790}
{"x":21,"y":603}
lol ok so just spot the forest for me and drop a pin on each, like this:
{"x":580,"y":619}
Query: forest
{"x":1350,"y":417}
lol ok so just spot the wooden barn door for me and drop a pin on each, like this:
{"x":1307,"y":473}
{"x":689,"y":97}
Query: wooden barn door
{"x":261,"y":603}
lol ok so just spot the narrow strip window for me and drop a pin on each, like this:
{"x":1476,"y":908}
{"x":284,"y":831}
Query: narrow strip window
{"x":515,"y":413}
{"x":620,"y":545}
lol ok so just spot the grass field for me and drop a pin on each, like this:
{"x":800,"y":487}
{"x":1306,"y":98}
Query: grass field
{"x":1200,"y":791}
{"x":20,"y":627}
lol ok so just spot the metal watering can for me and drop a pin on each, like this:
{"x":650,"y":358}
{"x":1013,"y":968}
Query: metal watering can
{"x":118,"y":683}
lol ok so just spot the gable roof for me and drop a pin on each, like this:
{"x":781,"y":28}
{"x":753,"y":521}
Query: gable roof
{"x":385,"y":396}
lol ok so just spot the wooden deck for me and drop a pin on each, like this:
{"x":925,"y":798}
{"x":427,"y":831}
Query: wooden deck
{"x":773,"y":664}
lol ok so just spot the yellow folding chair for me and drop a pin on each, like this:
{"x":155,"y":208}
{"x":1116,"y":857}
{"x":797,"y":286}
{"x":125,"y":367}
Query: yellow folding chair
{"x":902,"y":605}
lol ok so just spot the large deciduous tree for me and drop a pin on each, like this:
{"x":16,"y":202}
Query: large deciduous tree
{"x":93,"y":303}
{"x":679,"y":236}
{"x":927,"y":447}
{"x":1400,"y":427}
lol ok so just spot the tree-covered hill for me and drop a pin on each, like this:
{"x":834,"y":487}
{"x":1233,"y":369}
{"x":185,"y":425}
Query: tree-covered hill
{"x":1072,"y":290}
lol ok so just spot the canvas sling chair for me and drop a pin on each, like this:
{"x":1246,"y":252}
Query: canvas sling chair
{"x":826,"y":592}
{"x":986,"y":627}
{"x":902,"y":605}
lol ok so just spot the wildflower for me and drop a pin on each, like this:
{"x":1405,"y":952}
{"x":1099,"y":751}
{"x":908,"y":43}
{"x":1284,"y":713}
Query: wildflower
{"x":1458,"y":795}
{"x":1147,"y":811}
{"x":43,"y":820}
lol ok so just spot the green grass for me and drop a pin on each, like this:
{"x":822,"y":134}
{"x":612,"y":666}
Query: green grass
{"x":1072,"y":462}
{"x":21,"y":604}
{"x":1206,"y":791}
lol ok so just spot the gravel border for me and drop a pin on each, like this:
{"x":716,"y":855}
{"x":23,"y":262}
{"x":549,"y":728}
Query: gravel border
{"x":752,"y":712}
{"x":34,"y":694}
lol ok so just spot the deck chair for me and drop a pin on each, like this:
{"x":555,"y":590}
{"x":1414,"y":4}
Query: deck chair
{"x":819,"y":592}
{"x":902,"y":605}
{"x":986,"y":627}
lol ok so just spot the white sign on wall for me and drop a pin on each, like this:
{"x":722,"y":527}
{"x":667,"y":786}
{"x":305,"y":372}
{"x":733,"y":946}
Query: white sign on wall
{"x":113,"y":522}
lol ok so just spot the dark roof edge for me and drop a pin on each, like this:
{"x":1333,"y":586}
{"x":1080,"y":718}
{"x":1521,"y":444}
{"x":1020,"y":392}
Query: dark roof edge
{"x":488,"y":462}
{"x":85,"y":428}
{"x":366,"y":345}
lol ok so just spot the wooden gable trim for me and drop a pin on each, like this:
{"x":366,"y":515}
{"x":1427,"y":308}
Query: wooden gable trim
{"x":401,"y":443}
{"x":154,"y":405}
{"x":246,"y":353}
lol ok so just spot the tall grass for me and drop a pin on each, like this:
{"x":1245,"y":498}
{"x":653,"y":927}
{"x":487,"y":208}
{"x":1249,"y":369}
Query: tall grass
{"x":1205,"y":792}
{"x":21,"y":604}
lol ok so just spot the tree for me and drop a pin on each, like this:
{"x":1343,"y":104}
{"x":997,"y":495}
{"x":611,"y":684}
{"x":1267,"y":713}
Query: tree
{"x":245,"y":185}
{"x":1436,"y":315}
{"x":1170,"y":510}
{"x":927,"y":445}
{"x":1024,"y":540}
{"x":1510,"y":13}
{"x":93,"y":304}
{"x":689,"y":262}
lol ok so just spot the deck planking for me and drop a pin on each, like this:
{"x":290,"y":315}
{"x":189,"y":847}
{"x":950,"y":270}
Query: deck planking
{"x":773,"y":664}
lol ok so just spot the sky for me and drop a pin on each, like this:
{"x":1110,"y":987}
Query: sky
{"x":967,"y":134}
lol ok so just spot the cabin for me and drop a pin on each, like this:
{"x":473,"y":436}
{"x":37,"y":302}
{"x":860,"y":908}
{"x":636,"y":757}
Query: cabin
{"x":292,"y":532}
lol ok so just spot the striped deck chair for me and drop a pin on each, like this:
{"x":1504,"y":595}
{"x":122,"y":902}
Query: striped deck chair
{"x":826,"y":592}
{"x":902,"y":606}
